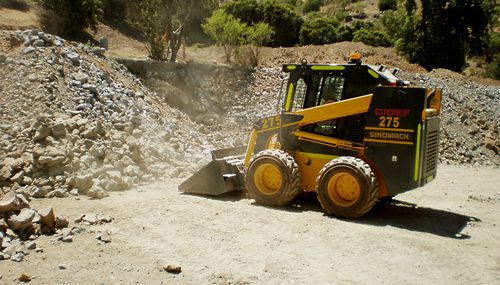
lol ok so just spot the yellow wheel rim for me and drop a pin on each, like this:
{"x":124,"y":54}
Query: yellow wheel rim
{"x":343,"y":189}
{"x":268,"y":179}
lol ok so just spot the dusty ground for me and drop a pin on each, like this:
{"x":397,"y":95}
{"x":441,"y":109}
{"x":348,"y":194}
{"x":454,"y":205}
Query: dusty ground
{"x":444,"y":233}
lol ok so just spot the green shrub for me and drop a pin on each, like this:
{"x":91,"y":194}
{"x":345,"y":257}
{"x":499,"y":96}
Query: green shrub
{"x":280,"y":17}
{"x":346,"y":32}
{"x":493,"y":69}
{"x":384,"y":5}
{"x":231,"y":33}
{"x":373,"y":37}
{"x":312,"y":5}
{"x":318,"y":32}
{"x":493,"y":56}
{"x":226,"y":31}
{"x":70,"y":18}
{"x":393,"y":22}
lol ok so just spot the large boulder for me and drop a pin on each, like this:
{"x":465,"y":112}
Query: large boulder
{"x":21,"y":221}
{"x":47,"y":217}
{"x":12,"y":203}
{"x":83,"y":183}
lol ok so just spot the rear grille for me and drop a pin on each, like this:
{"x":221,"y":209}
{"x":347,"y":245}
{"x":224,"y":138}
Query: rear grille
{"x":431,"y":153}
{"x":431,"y":147}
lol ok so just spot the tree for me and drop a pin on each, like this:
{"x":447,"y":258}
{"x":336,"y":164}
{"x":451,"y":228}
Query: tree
{"x":446,"y":32}
{"x":69,"y":18}
{"x":231,"y":33}
{"x":280,"y":17}
{"x":493,"y":57}
{"x":154,"y":19}
{"x":318,"y":32}
{"x":373,"y":37}
{"x":226,"y":31}
{"x":312,"y":5}
{"x":258,"y":35}
{"x":164,"y":24}
{"x":384,"y":5}
{"x":346,"y":32}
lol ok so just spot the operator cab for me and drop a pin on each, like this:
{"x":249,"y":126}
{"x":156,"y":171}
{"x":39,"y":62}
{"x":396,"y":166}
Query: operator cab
{"x":311,"y":85}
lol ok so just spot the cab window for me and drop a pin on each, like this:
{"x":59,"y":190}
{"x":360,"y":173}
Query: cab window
{"x":318,"y":89}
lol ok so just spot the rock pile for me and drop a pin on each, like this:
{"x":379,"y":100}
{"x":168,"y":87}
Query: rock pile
{"x":470,"y":118}
{"x":20,"y":226}
{"x":75,"y":123}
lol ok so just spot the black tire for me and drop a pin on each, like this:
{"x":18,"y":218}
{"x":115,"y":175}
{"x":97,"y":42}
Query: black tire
{"x":347,"y":187}
{"x":273,"y":178}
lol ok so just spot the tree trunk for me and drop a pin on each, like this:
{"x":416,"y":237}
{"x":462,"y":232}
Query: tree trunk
{"x":175,"y":43}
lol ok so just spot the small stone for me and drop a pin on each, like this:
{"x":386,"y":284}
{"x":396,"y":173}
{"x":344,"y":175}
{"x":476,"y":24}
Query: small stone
{"x":41,"y":133}
{"x":90,"y":87}
{"x":68,"y":238}
{"x":40,"y":192}
{"x":18,"y":177}
{"x":73,"y":57}
{"x":81,"y":77}
{"x":97,"y":193}
{"x":58,"y":130}
{"x":17,"y":257}
{"x":24,"y":278}
{"x":90,"y":218}
{"x":105,"y":238}
{"x":98,"y":51}
{"x":136,"y":120}
{"x":170,"y":268}
{"x":28,"y":50}
{"x":60,"y":193}
{"x":105,"y":219}
{"x":3,"y":227}
{"x":30,"y":245}
{"x":61,"y":222}
{"x":38,"y":43}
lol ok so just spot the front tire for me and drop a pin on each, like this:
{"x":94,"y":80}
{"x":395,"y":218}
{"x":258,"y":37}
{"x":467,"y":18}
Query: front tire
{"x":273,"y":178}
{"x":347,"y":187}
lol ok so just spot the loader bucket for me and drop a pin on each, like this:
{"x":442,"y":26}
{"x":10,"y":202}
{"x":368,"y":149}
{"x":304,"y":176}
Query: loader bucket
{"x":222,"y":175}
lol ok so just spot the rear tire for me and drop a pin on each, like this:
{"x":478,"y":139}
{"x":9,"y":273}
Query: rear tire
{"x":347,"y":187}
{"x":273,"y":178}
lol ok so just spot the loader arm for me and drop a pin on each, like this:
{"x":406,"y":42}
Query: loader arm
{"x":266,"y":128}
{"x":334,"y":110}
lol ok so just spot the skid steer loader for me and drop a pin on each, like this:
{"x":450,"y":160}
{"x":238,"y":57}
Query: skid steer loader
{"x":353,"y":133}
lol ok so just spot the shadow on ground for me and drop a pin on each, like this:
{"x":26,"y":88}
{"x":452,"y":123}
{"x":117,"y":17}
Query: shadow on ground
{"x":125,"y":29}
{"x":15,"y":5}
{"x":411,"y":217}
{"x":403,"y":215}
{"x":394,"y":213}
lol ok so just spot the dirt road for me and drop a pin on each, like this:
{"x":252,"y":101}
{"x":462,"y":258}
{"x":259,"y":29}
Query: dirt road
{"x":444,"y":233}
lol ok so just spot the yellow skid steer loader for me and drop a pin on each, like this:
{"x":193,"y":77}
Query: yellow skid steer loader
{"x":352,"y":133}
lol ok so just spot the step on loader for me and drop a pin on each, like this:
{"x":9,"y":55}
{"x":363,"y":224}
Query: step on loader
{"x":353,"y":133}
